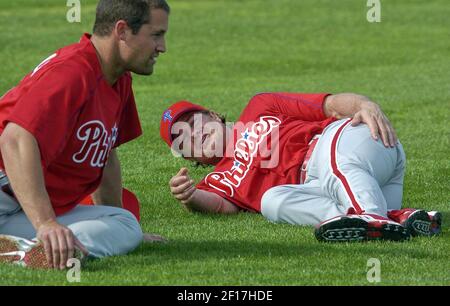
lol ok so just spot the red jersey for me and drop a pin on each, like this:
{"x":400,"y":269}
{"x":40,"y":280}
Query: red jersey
{"x":76,"y":118}
{"x":270,"y":143}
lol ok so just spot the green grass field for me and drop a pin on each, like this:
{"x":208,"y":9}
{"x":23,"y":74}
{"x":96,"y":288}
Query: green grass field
{"x":220,"y":53}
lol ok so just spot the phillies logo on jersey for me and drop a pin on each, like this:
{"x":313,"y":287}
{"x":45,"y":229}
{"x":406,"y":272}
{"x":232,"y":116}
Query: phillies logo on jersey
{"x":97,"y":143}
{"x":245,"y":150}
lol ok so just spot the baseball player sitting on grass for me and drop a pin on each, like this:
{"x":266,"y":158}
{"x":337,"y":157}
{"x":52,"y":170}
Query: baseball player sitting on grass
{"x":60,"y":128}
{"x":332,"y":161}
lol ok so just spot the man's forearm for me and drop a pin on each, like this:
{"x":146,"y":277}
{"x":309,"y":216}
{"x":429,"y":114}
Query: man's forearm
{"x":344,"y":105}
{"x":22,"y":161}
{"x":362,"y":110}
{"x":208,"y":202}
{"x":110,"y":190}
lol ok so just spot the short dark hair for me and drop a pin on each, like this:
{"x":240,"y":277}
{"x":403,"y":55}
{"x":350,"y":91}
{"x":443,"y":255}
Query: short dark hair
{"x":134,"y":12}
{"x":206,"y":111}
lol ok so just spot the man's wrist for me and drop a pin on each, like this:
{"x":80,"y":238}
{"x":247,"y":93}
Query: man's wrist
{"x":193,"y":197}
{"x":44,"y":222}
{"x":40,"y":213}
{"x":366,"y":103}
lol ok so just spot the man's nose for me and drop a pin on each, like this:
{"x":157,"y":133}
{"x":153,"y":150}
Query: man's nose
{"x":161,"y":47}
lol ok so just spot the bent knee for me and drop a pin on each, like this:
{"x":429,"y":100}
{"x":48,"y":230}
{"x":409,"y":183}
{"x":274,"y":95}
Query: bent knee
{"x":271,"y":202}
{"x":131,"y":231}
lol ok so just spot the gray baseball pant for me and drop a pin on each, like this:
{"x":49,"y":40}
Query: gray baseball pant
{"x":103,"y":230}
{"x":347,"y":169}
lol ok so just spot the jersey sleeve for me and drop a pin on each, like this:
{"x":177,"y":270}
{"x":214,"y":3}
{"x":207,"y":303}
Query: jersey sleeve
{"x":129,"y":125}
{"x":307,"y":107}
{"x":50,"y":107}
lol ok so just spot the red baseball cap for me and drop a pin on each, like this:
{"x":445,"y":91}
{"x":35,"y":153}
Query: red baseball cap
{"x":170,"y":116}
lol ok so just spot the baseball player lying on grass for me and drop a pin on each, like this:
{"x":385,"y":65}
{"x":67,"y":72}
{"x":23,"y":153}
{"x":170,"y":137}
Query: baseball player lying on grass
{"x":305,"y":159}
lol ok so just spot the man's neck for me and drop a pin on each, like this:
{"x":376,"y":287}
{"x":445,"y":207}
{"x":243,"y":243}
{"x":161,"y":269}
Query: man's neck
{"x":107,"y":56}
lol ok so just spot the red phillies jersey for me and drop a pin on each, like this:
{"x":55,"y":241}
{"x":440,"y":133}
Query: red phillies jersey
{"x":76,"y":118}
{"x":257,"y":161}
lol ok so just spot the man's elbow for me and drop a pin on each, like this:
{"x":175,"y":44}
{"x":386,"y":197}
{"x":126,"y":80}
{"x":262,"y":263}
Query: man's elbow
{"x":327,"y":107}
{"x":16,"y":142}
{"x":8,"y":143}
{"x":14,"y":136}
{"x":227,"y":208}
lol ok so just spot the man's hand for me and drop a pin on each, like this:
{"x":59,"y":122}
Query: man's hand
{"x":59,"y":243}
{"x":182,"y":186}
{"x":372,"y":115}
{"x":183,"y":189}
{"x":153,"y":238}
{"x":362,"y":110}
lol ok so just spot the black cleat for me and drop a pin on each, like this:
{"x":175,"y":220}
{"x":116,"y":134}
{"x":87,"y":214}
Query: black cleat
{"x":364,"y":227}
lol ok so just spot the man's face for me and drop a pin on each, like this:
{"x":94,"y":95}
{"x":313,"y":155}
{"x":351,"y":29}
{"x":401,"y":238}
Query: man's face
{"x":139,"y":52}
{"x":202,"y":137}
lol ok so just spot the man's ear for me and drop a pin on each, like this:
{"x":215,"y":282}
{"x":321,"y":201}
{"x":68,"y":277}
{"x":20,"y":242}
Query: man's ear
{"x":121,"y":30}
